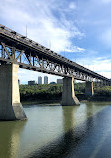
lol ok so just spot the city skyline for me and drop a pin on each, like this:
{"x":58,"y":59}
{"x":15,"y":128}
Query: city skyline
{"x":41,"y":81}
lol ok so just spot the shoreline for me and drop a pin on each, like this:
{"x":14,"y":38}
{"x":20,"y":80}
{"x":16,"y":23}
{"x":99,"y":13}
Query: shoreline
{"x":28,"y":102}
{"x":81,"y":99}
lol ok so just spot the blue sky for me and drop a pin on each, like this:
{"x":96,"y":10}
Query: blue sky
{"x":77,"y":29}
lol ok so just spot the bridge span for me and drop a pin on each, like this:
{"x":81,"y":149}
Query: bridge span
{"x":17,"y":51}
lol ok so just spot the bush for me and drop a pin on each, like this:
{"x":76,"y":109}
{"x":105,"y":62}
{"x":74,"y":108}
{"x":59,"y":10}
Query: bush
{"x":40,"y":92}
{"x":103,"y":91}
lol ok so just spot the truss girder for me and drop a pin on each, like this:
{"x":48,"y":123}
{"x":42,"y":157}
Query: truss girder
{"x":15,"y":48}
{"x":12,"y":55}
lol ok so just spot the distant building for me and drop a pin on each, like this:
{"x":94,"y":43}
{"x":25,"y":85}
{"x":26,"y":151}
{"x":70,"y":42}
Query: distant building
{"x":32,"y":82}
{"x":59,"y":81}
{"x":45,"y":80}
{"x":39,"y":80}
{"x":52,"y":82}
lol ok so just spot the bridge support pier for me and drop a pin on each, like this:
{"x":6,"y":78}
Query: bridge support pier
{"x":89,"y":89}
{"x":68,"y":94}
{"x":10,"y":106}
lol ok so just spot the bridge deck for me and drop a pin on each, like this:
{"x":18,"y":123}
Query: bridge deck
{"x":62,"y":66}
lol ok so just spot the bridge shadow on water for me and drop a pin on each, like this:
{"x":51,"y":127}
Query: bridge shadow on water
{"x":83,"y":141}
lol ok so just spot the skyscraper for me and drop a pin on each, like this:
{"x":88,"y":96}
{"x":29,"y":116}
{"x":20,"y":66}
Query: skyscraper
{"x":45,"y":80}
{"x":39,"y":80}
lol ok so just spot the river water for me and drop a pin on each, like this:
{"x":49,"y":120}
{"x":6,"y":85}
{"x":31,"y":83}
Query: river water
{"x":53,"y":131}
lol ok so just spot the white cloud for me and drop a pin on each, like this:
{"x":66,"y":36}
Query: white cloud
{"x":43,"y":26}
{"x":101,"y":65}
{"x":74,"y":49}
{"x":106,"y":1}
{"x":72,"y":5}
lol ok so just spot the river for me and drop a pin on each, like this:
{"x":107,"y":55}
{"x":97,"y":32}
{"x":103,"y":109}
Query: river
{"x":54,"y":131}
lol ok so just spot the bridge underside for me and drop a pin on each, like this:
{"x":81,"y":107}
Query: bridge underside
{"x":18,"y":51}
{"x":10,"y":106}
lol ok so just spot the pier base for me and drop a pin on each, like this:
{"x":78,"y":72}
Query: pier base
{"x":10,"y":106}
{"x":89,"y":89}
{"x":68,"y":94}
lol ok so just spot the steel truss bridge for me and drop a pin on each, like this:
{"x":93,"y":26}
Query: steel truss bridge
{"x":18,"y":49}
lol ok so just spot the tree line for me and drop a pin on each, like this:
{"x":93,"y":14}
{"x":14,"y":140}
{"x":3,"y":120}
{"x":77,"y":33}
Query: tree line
{"x":54,"y":91}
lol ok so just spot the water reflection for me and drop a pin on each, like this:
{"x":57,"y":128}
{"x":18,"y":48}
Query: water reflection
{"x":9,"y":138}
{"x":70,"y":140}
{"x":68,"y":117}
{"x":58,"y":132}
{"x":78,"y":139}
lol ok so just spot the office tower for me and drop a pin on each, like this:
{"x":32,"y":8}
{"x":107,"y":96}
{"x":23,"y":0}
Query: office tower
{"x":45,"y":80}
{"x":39,"y":80}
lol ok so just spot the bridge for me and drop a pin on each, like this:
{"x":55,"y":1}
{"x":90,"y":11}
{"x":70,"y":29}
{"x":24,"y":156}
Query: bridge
{"x":17,"y":51}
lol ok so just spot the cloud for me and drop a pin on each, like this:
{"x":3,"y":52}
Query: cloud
{"x":44,"y":25}
{"x":101,"y":65}
{"x":72,"y":5}
{"x":75,"y":49}
{"x":106,"y":1}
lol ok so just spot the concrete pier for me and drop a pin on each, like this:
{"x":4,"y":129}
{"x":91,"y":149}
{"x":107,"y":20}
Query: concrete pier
{"x":68,"y":94}
{"x":89,"y":89}
{"x":10,"y":106}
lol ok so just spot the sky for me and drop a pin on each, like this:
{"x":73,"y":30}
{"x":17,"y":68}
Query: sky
{"x":77,"y":29}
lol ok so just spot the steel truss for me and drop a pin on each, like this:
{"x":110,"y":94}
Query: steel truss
{"x":15,"y":48}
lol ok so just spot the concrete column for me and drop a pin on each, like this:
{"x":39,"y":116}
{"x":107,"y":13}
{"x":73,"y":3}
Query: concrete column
{"x":68,"y":94}
{"x":10,"y":106}
{"x":89,"y":89}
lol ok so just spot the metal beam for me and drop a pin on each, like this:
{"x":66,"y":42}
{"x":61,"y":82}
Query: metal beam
{"x":43,"y":59}
{"x":6,"y":50}
{"x":19,"y":55}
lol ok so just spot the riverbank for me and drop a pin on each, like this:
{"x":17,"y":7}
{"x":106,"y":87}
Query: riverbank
{"x":42,"y":102}
{"x":53,"y":93}
{"x":81,"y":97}
{"x":95,"y":97}
{"x":100,"y":98}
